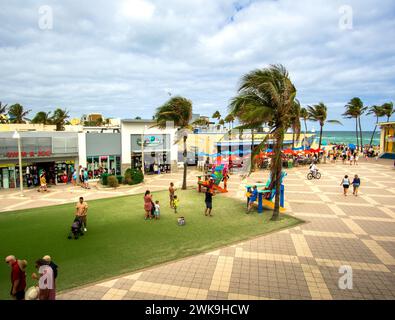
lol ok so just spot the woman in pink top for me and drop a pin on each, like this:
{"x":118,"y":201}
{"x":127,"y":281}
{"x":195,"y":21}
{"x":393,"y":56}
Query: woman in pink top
{"x":147,"y":204}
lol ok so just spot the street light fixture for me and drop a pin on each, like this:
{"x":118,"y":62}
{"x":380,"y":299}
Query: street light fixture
{"x":17,"y":136}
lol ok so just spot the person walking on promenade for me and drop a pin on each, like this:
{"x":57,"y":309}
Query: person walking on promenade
{"x":346,"y":184}
{"x":18,"y":277}
{"x":355,"y":184}
{"x":45,"y":279}
{"x":172,"y":191}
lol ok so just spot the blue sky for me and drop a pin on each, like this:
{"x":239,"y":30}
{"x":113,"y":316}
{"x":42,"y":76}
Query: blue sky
{"x":121,"y":58}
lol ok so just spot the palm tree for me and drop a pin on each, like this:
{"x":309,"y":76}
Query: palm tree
{"x":59,"y":118}
{"x":221,"y":122}
{"x":201,"y":122}
{"x":295,"y":122}
{"x":388,"y":109}
{"x":18,"y":114}
{"x":305,"y":116}
{"x":3,"y":112}
{"x":318,"y":113}
{"x":230,"y":119}
{"x":179,"y":110}
{"x":378,"y":112}
{"x":266,"y":96}
{"x":216,"y":115}
{"x":354,"y":109}
{"x":42,"y":117}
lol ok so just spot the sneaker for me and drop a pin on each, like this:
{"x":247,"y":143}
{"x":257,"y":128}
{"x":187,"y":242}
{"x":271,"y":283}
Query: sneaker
{"x":85,"y":229}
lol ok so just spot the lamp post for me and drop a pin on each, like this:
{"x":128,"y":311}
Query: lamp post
{"x":17,"y":136}
{"x":142,"y":151}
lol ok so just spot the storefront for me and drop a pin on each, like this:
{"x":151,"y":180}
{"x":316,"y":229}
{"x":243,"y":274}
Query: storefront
{"x":141,"y":139}
{"x":102,"y":154}
{"x":387,"y":140}
{"x":54,"y":153}
{"x":156,"y":150}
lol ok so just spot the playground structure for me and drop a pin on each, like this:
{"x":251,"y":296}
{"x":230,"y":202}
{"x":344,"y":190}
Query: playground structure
{"x":267,"y":194}
{"x":212,"y":180}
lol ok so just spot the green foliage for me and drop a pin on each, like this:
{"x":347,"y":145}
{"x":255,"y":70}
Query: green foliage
{"x":133,"y":176}
{"x":104,"y":179}
{"x":59,"y":118}
{"x":42,"y":118}
{"x":17,"y":113}
{"x":112,"y":181}
{"x":120,"y":179}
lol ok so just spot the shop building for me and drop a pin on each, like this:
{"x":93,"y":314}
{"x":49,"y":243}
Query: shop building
{"x":143,"y":142}
{"x":56,"y":153}
{"x":387,"y":140}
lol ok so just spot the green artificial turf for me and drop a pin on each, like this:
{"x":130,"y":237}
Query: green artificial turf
{"x":119,"y":240}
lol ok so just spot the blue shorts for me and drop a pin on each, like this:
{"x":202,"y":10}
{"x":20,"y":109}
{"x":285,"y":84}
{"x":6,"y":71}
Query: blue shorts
{"x":157,"y":213}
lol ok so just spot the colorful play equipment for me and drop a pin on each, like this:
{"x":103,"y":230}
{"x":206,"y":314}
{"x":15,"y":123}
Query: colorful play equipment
{"x":212,"y":180}
{"x":267,"y":194}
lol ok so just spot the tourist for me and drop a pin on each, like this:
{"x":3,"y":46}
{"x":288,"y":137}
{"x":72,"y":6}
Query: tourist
{"x":74,"y":178}
{"x":18,"y":277}
{"x":172,"y":191}
{"x":82,"y":179}
{"x":82,"y":212}
{"x":80,"y":173}
{"x":86,"y":177}
{"x":355,"y":184}
{"x":346,"y":184}
{"x":43,"y":182}
{"x":176,"y":203}
{"x":209,"y":202}
{"x":45,"y":279}
{"x":356,"y":158}
{"x":147,"y":205}
{"x":313,"y":169}
{"x":252,"y":198}
{"x":351,"y":158}
{"x":157,"y":210}
{"x":54,"y":267}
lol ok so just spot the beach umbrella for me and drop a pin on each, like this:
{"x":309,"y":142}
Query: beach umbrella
{"x":352,"y":146}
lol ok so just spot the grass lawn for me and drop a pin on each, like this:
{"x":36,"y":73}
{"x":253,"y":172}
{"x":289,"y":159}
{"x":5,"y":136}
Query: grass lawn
{"x":119,"y":240}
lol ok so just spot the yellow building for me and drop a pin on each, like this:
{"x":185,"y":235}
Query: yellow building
{"x":387,"y":140}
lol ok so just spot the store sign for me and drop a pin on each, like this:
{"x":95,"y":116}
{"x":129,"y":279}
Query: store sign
{"x":151,"y":141}
{"x":31,"y":154}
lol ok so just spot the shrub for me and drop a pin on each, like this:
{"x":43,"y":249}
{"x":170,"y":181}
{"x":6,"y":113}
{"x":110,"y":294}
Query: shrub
{"x":113,"y":181}
{"x":120,"y":179}
{"x":137,"y":177}
{"x":128,"y":176}
{"x":104,"y":179}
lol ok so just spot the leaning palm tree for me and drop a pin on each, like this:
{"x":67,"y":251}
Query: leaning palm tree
{"x":388,"y":109}
{"x":216,"y":115}
{"x":318,"y":113}
{"x":305,"y":116}
{"x":59,"y":118}
{"x":42,"y":117}
{"x":378,"y":112}
{"x":266,"y":96}
{"x":355,"y":109}
{"x":295,"y":121}
{"x":178,"y":110}
{"x":18,"y":114}
{"x":352,"y":113}
{"x":3,"y":112}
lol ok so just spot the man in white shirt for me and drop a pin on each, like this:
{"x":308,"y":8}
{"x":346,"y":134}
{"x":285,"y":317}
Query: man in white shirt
{"x":313,"y":169}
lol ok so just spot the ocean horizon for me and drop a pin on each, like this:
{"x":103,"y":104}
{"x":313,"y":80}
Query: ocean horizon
{"x":347,"y":136}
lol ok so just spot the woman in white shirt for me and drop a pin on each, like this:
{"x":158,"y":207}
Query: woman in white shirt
{"x":45,"y":279}
{"x":346,"y":184}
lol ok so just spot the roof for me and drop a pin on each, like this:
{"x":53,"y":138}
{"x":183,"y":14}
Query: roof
{"x":389,"y":123}
{"x":138,"y":120}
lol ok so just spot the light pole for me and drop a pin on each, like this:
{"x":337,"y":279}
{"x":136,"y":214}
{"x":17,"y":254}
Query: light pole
{"x":17,"y":136}
{"x":142,"y":151}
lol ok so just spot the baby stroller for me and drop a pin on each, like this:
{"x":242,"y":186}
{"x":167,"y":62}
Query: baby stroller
{"x":76,"y":229}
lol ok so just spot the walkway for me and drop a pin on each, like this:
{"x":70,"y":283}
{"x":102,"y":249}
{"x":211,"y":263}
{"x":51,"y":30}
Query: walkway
{"x":298,"y":263}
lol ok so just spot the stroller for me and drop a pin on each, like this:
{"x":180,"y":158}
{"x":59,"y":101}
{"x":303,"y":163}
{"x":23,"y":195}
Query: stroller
{"x":76,"y":229}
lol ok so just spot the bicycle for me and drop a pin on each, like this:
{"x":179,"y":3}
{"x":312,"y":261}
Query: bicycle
{"x":310,"y":175}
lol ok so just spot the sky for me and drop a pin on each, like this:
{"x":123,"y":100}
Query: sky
{"x":124,"y":58}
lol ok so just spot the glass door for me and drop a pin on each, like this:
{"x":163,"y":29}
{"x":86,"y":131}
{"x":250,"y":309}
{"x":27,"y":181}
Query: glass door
{"x":5,"y":178}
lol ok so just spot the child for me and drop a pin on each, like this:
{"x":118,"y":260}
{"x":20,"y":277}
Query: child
{"x":157,"y":210}
{"x":356,"y":183}
{"x":172,"y":190}
{"x":176,"y":202}
{"x":209,"y":202}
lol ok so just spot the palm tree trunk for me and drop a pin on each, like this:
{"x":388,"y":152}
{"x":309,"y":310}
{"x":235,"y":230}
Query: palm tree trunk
{"x":374,"y":131}
{"x":184,"y":178}
{"x":252,"y":150}
{"x":356,"y":131}
{"x":360,"y":133}
{"x":276,"y":171}
{"x":305,"y":131}
{"x":321,"y":126}
{"x":293,"y":139}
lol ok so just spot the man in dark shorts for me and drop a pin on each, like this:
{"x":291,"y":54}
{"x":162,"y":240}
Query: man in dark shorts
{"x":209,"y":202}
{"x":172,"y":191}
{"x":18,"y":277}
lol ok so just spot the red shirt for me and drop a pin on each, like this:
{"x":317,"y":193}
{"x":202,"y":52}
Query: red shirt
{"x":18,"y":274}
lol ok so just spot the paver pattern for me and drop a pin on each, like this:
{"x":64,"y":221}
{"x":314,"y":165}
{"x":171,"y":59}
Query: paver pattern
{"x":297,"y":263}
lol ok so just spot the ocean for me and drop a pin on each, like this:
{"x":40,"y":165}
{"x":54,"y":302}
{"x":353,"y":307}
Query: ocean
{"x":337,"y":137}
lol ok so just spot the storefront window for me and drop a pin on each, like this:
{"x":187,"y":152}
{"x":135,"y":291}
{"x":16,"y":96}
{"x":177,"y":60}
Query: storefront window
{"x":97,"y":165}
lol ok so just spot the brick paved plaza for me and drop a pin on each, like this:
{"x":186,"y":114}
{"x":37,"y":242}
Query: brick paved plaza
{"x":297,"y":263}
